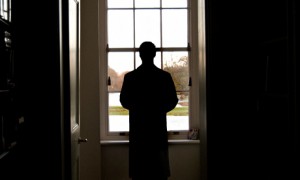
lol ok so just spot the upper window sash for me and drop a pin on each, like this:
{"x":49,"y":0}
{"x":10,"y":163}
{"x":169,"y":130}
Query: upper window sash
{"x":188,"y":48}
{"x":147,"y":3}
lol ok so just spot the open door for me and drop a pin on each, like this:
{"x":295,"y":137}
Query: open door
{"x":74,"y":57}
{"x":70,"y":60}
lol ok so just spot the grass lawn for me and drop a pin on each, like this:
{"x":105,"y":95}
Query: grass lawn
{"x":177,"y":111}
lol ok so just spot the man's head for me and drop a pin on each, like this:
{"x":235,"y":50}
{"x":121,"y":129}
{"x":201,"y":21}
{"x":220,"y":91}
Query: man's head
{"x":147,"y":52}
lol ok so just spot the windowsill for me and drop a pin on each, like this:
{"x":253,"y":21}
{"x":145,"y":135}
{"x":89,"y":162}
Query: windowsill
{"x":171,"y":141}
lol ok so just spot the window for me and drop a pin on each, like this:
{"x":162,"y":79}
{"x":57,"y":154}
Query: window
{"x":167,"y":23}
{"x":5,"y":9}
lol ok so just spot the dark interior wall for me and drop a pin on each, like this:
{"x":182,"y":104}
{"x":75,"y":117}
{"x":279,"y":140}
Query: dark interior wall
{"x":231,"y":44}
{"x":251,"y":90}
{"x":35,"y":36}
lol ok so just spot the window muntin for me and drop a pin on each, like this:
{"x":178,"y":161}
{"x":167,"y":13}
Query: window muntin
{"x":165,"y":24}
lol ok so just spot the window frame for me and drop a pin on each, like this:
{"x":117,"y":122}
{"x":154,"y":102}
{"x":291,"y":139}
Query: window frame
{"x":196,"y":64}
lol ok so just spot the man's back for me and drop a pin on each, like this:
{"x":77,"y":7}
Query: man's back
{"x":148,"y":93}
{"x":149,"y":87}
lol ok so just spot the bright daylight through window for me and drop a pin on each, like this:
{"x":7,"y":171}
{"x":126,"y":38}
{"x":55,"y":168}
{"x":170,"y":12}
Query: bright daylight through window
{"x":165,"y":23}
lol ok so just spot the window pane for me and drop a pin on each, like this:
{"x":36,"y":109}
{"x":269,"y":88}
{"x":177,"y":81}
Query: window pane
{"x":120,"y":28}
{"x":157,"y":60}
{"x":147,"y":3}
{"x":177,"y":63}
{"x":178,"y":118}
{"x":4,"y":9}
{"x":120,"y":3}
{"x":174,"y":28}
{"x":174,"y":3}
{"x":118,"y":116}
{"x":118,"y":64}
{"x":147,"y":26}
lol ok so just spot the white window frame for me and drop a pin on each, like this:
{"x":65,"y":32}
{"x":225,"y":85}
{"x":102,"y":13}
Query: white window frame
{"x":196,"y":41}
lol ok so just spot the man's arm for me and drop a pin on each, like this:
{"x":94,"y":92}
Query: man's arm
{"x":125,"y":95}
{"x":171,"y":95}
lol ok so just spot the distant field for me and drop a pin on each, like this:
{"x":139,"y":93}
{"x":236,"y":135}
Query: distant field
{"x":178,"y":111}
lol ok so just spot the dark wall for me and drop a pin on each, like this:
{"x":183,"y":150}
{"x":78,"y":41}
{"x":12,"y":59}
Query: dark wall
{"x":35,"y":34}
{"x":251,"y":90}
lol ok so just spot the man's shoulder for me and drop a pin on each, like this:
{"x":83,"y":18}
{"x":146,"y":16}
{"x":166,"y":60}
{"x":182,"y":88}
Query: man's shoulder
{"x":130,"y":74}
{"x":164,"y":73}
{"x":141,"y":72}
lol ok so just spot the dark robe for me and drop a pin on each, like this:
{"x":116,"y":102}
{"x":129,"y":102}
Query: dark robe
{"x":148,"y":93}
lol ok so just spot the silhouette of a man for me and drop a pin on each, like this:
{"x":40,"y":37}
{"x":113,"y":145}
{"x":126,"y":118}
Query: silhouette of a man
{"x":148,"y":93}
